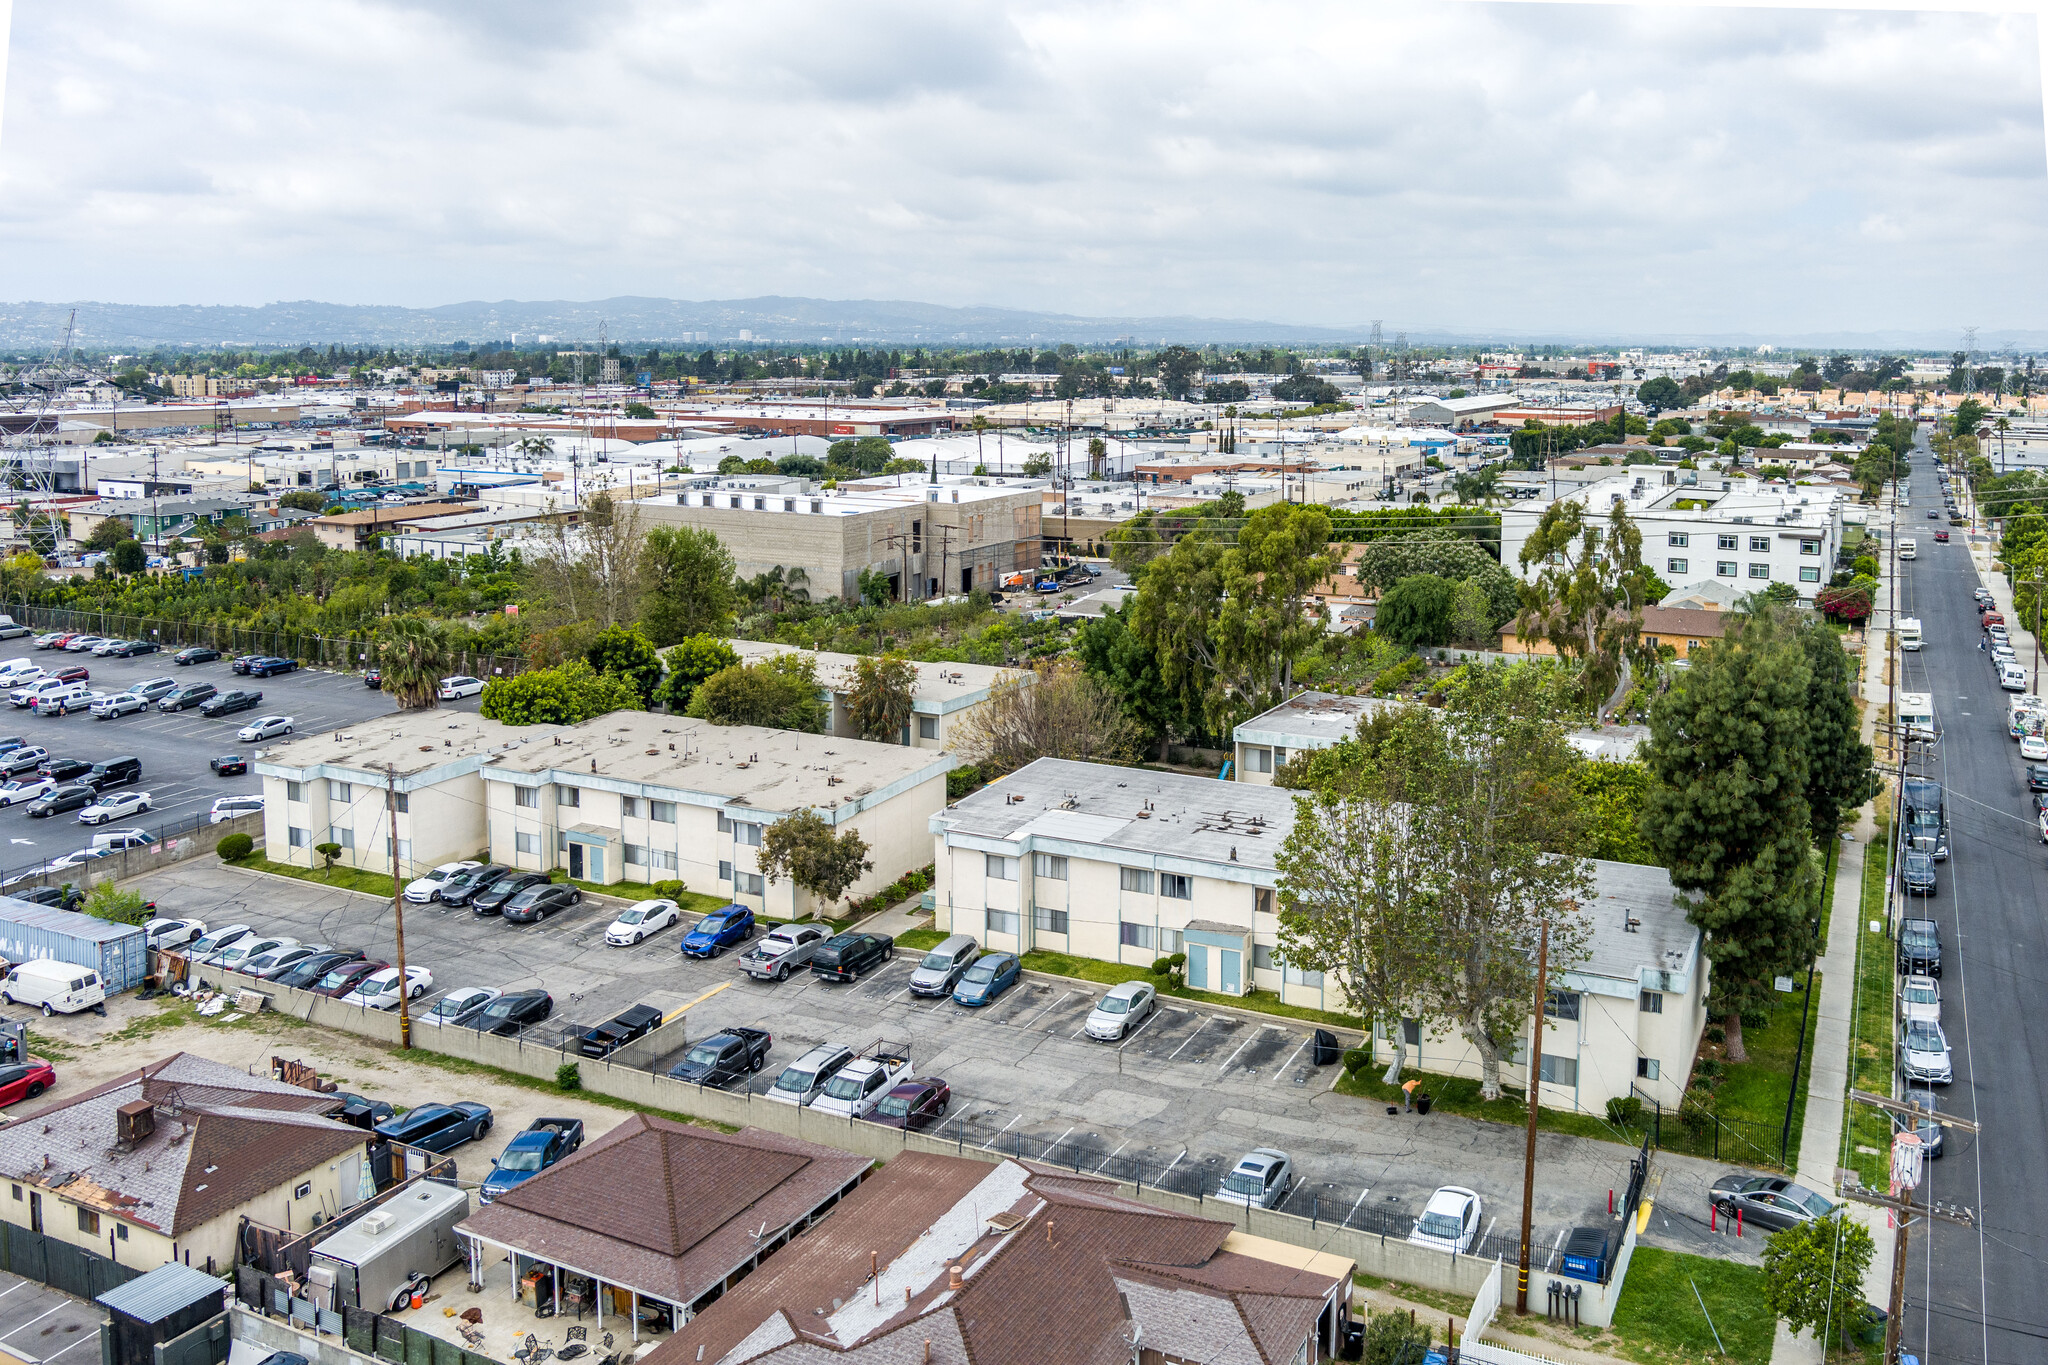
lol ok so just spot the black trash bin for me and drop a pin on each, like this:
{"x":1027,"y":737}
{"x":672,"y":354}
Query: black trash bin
{"x":1327,"y":1052}
{"x":1353,"y":1347}
{"x":1422,"y":1103}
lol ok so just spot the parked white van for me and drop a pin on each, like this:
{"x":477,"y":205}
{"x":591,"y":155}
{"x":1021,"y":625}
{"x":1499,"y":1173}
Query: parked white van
{"x":2012,"y":677}
{"x":56,"y":987}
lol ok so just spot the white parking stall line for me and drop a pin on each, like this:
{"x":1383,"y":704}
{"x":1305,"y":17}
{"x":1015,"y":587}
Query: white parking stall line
{"x":1112,"y":1156}
{"x":1056,"y":1141}
{"x":1169,"y":1166}
{"x":9,"y":1290}
{"x":1140,"y":1029}
{"x":1281,"y":1070}
{"x":1353,"y":1213}
{"x":82,"y":1339}
{"x":1191,"y":1037}
{"x":31,"y":1322}
{"x":990,"y":1144}
{"x":1041,"y":1014}
{"x":1233,"y":1056}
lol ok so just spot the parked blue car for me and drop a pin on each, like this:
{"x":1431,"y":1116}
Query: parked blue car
{"x":719,"y":930}
{"x":438,"y":1127}
{"x":989,"y":977}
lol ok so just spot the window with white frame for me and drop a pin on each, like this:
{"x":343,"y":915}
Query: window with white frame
{"x":1759,"y":571}
{"x":636,"y":855}
{"x":1675,"y":566}
{"x":661,"y":859}
{"x":1002,"y":921}
{"x":662,"y":812}
{"x":1174,"y":886}
{"x":525,"y":843}
{"x":750,"y":835}
{"x":1562,"y":1005}
{"x":1759,"y":545}
{"x":1809,"y":547}
{"x":403,"y":850}
{"x":1558,"y":1070}
{"x":1051,"y":866}
{"x":568,"y":796}
{"x":1727,"y":542}
{"x":1262,"y":900}
{"x":528,"y":797}
{"x":299,"y":838}
{"x":339,"y":791}
{"x":1136,"y":935}
{"x":1136,"y":879}
{"x":1049,"y":921}
{"x":294,"y":791}
{"x":1258,"y":760}
{"x":748,"y":883}
{"x":632,"y":808}
{"x":341,"y":834}
{"x":1678,"y":539}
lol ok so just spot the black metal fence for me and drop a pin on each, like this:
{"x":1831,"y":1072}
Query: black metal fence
{"x":349,"y":653}
{"x":119,"y":864}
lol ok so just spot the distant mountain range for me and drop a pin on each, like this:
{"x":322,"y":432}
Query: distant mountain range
{"x":32,"y":328}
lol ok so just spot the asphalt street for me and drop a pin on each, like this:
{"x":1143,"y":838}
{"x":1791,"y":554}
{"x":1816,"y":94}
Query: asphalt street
{"x":1191,"y":1090}
{"x":1976,"y":1294}
{"x":174,"y":748}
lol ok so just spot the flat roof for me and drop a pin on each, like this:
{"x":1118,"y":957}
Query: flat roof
{"x":750,"y":766}
{"x":940,"y":687}
{"x":1320,"y":718}
{"x":414,"y":744}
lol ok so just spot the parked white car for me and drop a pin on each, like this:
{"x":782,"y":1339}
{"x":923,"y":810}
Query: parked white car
{"x":265,"y":727}
{"x":172,"y":933}
{"x":379,"y":990}
{"x":459,"y":686}
{"x":2034,"y":747}
{"x":1920,"y":999}
{"x":114,"y":806}
{"x":77,"y":858}
{"x":642,"y":918}
{"x":230,"y":807}
{"x":458,"y":1005}
{"x":24,"y":789}
{"x":1263,"y":1178}
{"x":427,"y":889}
{"x":1449,"y":1222}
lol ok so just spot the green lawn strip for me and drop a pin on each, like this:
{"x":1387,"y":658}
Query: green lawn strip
{"x":1115,"y":973}
{"x":923,"y":940}
{"x":1460,"y":1095}
{"x":1751,"y":1096}
{"x":1659,"y":1319}
{"x":344,"y":878}
{"x":1871,"y":1034}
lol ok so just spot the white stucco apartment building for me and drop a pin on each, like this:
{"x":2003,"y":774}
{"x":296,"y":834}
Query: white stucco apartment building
{"x":942,"y":699}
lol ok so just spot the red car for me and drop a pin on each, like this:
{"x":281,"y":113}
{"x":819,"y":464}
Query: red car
{"x":61,"y":641}
{"x":1941,"y":537}
{"x":75,"y":673}
{"x":25,"y":1080}
{"x":345,"y":978}
{"x":913,"y":1103}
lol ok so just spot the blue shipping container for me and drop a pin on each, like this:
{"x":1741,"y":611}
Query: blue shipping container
{"x":31,"y":933}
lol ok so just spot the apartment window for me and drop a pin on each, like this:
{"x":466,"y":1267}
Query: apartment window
{"x":571,"y":797}
{"x":1049,"y":865}
{"x":736,"y":503}
{"x":1647,"y":1068}
{"x":1048,"y":921}
{"x":402,"y":802}
{"x":1691,"y":645}
{"x":294,"y":791}
{"x":999,"y":868}
{"x":339,"y":791}
{"x":17,"y":1192}
{"x":789,"y":504}
{"x":1675,"y":566}
{"x":750,"y":835}
{"x":1262,"y":957}
{"x":1809,"y":574}
{"x":724,"y":823}
{"x":1650,"y":1002}
{"x":1002,"y":921}
{"x":1169,"y":940}
{"x":1678,"y":539}
{"x":1411,"y":1032}
{"x":299,"y":838}
{"x":1724,"y":568}
{"x":88,"y":1221}
{"x":1809,"y":547}
{"x":1296,"y":976}
{"x":760,"y":504}
{"x":1136,"y":879}
{"x":1135,"y":935}
{"x":1728,"y":542}
{"x":724,"y":870}
{"x":561,"y":841}
{"x":663,"y":812}
{"x":528,"y":797}
{"x":632,"y":808}
{"x":927,"y":727}
{"x":1176,"y":887}
{"x":1559,"y":1070}
{"x":748,"y":883}
{"x":1562,"y":1005}
{"x":1258,"y":760}
{"x":527,"y":843}
{"x":636,"y":855}
{"x":1759,"y":571}
{"x":401,"y":849}
{"x":662,"y":860}
{"x":916,"y":536}
{"x":1262,"y":900}
{"x":1759,"y":545}
{"x":341,"y":834}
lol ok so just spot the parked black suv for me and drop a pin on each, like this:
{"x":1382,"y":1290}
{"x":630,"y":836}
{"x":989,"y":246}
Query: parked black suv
{"x":845,"y":957}
{"x":115,"y":772}
{"x":1919,"y":947}
{"x":64,"y":769}
{"x":187,"y":697}
{"x":227,"y":703}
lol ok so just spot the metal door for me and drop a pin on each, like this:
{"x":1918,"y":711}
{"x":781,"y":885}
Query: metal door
{"x":1231,"y":961}
{"x":35,"y":1211}
{"x":594,"y":860}
{"x":576,"y":861}
{"x":1198,"y":967}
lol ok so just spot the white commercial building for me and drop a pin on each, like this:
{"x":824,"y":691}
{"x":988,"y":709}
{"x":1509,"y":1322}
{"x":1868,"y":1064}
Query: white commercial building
{"x":1737,"y":530}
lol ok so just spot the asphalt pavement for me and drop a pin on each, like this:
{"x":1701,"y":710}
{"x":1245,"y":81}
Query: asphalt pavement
{"x":1975,"y":1294}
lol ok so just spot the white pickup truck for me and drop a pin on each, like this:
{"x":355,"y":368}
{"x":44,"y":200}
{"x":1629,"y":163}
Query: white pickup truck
{"x":861,"y":1084}
{"x":784,"y":949}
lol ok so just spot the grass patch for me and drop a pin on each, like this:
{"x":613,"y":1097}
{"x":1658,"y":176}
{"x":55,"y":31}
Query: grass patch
{"x":691,"y":902}
{"x":1116,"y":973}
{"x":1460,"y":1095}
{"x":1658,"y":1318}
{"x":1752,"y":1095}
{"x":923,"y":940}
{"x":1871,"y":1031}
{"x":340,"y":876}
{"x":44,"y":1046}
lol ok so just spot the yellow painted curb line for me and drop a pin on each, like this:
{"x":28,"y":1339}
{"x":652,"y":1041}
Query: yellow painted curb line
{"x":679,"y":1010}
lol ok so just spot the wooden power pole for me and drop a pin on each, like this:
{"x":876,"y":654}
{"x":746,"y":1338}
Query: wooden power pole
{"x":398,"y":907}
{"x":1850,"y":1186}
{"x":1535,"y":1084}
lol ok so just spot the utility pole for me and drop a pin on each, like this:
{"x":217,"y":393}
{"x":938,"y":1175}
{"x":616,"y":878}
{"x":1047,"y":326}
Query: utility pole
{"x":1908,"y":1161}
{"x":398,"y":907}
{"x":1534,"y":1081}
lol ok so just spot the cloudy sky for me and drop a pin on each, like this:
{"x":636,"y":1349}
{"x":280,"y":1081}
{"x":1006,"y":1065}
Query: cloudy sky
{"x":1471,"y":166}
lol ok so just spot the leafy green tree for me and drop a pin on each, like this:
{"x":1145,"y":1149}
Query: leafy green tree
{"x":687,"y":580}
{"x":1661,"y":392}
{"x":868,"y":455}
{"x":1840,"y":777}
{"x":733,"y":464}
{"x":884,"y":690}
{"x":801,"y":466}
{"x":1177,"y":369}
{"x":1588,"y":596}
{"x":1611,"y":799}
{"x":303,"y":500}
{"x":874,"y":587}
{"x":624,"y":652}
{"x":117,"y":904}
{"x":562,"y":695}
{"x":1383,"y":562}
{"x":689,"y":664}
{"x":110,"y":532}
{"x":803,"y":848}
{"x":640,"y":412}
{"x":1813,"y":1274}
{"x":1119,"y":659}
{"x":1395,"y":1339}
{"x":1968,"y":417}
{"x":1728,"y":815}
{"x":780,"y":693}
{"x":129,"y":557}
{"x":1419,"y":610}
{"x":414,"y":653}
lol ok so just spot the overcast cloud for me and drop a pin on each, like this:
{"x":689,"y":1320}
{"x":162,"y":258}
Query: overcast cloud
{"x":1436,"y":165}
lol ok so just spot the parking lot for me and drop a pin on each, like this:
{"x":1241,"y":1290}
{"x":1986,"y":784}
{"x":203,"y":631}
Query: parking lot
{"x":1185,"y":1095}
{"x":174,"y":748}
{"x":40,"y":1324}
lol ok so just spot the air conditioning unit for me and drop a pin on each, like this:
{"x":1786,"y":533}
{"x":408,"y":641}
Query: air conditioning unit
{"x":377,"y":1223}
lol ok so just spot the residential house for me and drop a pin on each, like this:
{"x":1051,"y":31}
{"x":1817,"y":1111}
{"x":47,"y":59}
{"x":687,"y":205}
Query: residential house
{"x":1681,"y":629}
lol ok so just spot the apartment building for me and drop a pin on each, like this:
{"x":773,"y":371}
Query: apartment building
{"x":1737,"y":530}
{"x":929,"y":540}
{"x":943,"y":698}
{"x":1126,"y":865}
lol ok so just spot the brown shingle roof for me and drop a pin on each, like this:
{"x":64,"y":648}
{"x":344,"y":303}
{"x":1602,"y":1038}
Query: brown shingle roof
{"x":665,"y":1208}
{"x":1691,"y":622}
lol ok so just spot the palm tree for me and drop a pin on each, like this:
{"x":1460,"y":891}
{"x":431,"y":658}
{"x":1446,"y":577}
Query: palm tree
{"x":415,"y":654}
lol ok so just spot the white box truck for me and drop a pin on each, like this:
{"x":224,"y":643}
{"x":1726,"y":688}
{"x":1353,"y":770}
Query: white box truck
{"x":1909,"y":632}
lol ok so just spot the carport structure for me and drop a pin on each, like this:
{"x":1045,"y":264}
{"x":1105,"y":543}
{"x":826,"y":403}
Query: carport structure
{"x":657,"y":1213}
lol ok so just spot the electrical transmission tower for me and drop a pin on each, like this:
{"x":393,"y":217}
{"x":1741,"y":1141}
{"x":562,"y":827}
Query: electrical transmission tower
{"x":1969,"y":344}
{"x":30,"y":434}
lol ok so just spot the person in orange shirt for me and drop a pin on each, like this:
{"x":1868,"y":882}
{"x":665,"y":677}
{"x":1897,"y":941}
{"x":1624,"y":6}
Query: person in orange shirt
{"x":1408,"y":1092}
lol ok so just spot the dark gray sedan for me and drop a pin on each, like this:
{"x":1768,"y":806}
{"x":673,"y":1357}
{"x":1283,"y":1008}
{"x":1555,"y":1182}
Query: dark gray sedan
{"x":1769,"y":1201}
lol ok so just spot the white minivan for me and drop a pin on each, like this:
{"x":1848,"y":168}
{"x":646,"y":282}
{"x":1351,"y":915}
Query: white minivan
{"x":56,"y":987}
{"x":2012,"y":677}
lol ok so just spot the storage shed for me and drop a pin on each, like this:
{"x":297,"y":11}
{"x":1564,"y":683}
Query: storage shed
{"x":160,"y":1306}
{"x":31,"y":932}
